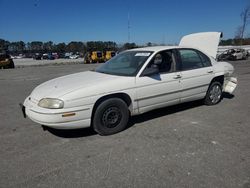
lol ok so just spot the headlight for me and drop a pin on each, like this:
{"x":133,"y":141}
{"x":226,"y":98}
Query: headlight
{"x":51,"y":103}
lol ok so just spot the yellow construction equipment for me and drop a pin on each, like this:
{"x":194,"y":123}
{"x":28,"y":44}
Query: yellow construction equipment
{"x":94,"y":57}
{"x":109,"y":55}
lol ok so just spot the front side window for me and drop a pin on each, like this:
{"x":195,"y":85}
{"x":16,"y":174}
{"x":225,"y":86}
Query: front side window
{"x":127,"y":63}
{"x":190,"y":59}
{"x":164,"y":61}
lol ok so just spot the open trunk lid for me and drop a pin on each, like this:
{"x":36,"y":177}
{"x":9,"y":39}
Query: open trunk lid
{"x":205,"y":41}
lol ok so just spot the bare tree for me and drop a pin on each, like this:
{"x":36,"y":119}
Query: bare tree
{"x":245,"y":17}
{"x":238,"y":33}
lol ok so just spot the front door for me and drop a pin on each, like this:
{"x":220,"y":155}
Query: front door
{"x":161,"y":89}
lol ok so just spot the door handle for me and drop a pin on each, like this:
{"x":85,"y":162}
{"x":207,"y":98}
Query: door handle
{"x":177,"y":76}
{"x":211,"y":71}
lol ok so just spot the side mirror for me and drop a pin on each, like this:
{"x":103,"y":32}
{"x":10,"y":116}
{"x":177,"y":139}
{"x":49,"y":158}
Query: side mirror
{"x":150,"y":71}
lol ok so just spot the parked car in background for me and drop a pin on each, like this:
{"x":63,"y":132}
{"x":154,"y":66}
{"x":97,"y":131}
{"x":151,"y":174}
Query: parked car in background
{"x":6,"y":61}
{"x":45,"y":56}
{"x":74,"y":56}
{"x":55,"y":55}
{"x":133,"y":82}
{"x":67,"y":55}
{"x":19,"y":56}
{"x":37,"y":56}
{"x":233,"y":54}
{"x":48,"y":56}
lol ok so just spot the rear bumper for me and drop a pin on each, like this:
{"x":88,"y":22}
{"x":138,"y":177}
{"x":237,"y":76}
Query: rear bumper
{"x":58,"y":118}
{"x":230,"y":83}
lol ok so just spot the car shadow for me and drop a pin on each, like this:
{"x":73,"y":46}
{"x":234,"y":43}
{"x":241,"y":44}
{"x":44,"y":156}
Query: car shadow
{"x":85,"y":132}
{"x":163,"y":112}
{"x":74,"y":133}
{"x":228,"y":96}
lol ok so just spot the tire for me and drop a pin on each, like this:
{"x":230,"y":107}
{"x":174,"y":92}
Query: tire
{"x":214,"y":94}
{"x":110,"y":117}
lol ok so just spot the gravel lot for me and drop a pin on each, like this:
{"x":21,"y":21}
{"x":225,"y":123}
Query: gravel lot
{"x":189,"y":145}
{"x":31,"y":62}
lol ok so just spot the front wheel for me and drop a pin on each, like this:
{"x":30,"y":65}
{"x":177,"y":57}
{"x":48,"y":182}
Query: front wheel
{"x":214,"y":94}
{"x":111,"y":116}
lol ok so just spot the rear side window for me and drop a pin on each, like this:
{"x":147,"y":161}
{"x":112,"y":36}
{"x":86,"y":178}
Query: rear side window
{"x":190,"y":59}
{"x":205,"y":60}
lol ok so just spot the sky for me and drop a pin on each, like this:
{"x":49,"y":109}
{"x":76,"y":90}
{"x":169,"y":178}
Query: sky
{"x":158,"y":21}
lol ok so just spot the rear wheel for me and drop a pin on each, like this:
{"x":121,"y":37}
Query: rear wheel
{"x":214,"y":94}
{"x":111,"y":116}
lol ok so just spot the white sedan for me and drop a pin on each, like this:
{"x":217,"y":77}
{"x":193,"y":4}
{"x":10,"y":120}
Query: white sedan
{"x":131,"y":83}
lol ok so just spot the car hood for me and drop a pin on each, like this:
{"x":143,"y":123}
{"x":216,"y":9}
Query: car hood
{"x":87,"y":81}
{"x":205,"y":41}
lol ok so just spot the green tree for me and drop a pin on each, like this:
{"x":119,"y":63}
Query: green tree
{"x":60,"y":47}
{"x":48,"y":46}
{"x":127,"y":46}
{"x":36,"y":46}
{"x":17,"y":47}
{"x":76,"y":47}
{"x":4,"y":44}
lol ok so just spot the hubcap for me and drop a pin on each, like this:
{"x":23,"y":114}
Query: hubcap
{"x":215,"y":94}
{"x":111,"y":117}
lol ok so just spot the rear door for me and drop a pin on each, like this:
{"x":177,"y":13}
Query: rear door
{"x":196,"y":74}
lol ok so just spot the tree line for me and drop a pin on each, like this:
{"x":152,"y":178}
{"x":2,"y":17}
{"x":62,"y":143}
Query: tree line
{"x":235,"y":42}
{"x":20,"y":47}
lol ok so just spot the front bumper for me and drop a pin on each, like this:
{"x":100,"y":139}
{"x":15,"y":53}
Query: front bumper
{"x":58,"y":118}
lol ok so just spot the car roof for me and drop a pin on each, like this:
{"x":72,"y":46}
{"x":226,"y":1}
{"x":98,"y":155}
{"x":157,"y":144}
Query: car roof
{"x":155,"y":48}
{"x":160,"y":48}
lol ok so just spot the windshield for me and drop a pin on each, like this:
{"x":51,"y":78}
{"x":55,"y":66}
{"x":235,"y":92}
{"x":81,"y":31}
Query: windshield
{"x":125,"y":64}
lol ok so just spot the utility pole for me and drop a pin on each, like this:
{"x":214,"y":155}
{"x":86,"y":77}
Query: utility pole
{"x":129,"y":25}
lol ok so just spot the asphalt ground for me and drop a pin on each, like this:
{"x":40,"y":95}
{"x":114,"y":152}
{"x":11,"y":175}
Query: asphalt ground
{"x":188,"y":145}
